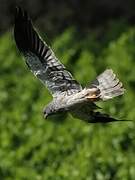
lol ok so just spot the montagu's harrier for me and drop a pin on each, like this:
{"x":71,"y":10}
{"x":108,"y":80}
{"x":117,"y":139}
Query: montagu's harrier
{"x":68,"y":94}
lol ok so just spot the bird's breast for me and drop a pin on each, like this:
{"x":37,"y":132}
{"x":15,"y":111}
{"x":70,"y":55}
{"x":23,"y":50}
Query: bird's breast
{"x":68,"y":101}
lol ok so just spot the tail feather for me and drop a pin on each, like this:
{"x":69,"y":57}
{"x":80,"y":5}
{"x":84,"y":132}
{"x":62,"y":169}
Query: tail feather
{"x":109,"y":85}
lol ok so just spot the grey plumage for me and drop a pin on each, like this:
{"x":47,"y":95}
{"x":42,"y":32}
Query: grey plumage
{"x":40,"y":58}
{"x":109,"y":85}
{"x":68,"y":94}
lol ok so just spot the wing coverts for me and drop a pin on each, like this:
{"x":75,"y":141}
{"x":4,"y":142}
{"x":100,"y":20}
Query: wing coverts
{"x":40,"y":58}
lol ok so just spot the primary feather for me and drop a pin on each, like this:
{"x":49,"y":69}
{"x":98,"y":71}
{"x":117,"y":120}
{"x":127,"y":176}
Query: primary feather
{"x":68,"y":94}
{"x":40,"y":58}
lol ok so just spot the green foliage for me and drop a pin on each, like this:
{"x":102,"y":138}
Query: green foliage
{"x":32,"y":148}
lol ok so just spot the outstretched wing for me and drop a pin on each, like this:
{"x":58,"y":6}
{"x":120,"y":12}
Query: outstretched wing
{"x":86,"y":111}
{"x":40,"y":58}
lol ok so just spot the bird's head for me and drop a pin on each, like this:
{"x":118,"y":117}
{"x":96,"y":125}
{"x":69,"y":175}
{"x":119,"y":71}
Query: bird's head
{"x":51,"y":110}
{"x":48,"y":111}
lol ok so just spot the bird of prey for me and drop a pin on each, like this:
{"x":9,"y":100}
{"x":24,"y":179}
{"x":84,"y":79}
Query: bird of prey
{"x":68,"y":94}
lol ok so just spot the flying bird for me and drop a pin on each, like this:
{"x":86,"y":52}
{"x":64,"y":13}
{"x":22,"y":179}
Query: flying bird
{"x":68,"y":94}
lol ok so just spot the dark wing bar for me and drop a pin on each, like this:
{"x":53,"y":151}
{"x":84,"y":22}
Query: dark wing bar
{"x":40,"y":58}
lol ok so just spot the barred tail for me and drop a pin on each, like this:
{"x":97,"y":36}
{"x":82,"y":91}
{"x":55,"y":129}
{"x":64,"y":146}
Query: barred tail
{"x":109,"y":85}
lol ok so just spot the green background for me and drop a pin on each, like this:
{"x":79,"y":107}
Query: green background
{"x":32,"y":148}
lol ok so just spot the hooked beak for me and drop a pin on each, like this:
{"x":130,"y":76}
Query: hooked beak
{"x":45,"y":116}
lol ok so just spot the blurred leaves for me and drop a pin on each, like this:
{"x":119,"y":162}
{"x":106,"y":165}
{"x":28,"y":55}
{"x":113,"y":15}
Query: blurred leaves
{"x":32,"y":148}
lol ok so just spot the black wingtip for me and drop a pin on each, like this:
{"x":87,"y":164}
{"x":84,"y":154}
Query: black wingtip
{"x":108,"y":121}
{"x":21,"y":14}
{"x":17,"y":9}
{"x":98,"y":117}
{"x":26,"y":38}
{"x":21,"y":28}
{"x":120,"y":120}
